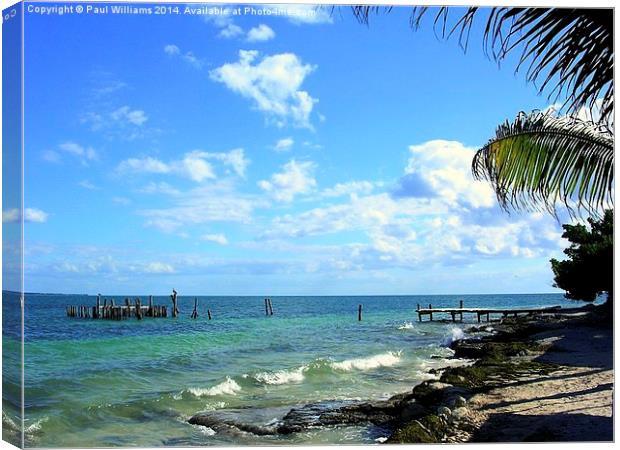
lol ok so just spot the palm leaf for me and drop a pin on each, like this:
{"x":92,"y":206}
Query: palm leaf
{"x":540,"y":159}
{"x":567,"y":52}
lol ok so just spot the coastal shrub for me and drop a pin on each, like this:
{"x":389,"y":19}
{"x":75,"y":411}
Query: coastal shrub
{"x":588,"y":272}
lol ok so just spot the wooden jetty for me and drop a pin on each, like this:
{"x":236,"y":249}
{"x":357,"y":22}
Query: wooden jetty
{"x":113,"y":311}
{"x":481,"y":312}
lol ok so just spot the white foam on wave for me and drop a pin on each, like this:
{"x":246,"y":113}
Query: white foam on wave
{"x":372,"y":362}
{"x":406,"y":326}
{"x":281,"y":376}
{"x":35,"y":426}
{"x":455,"y":334}
{"x":206,"y":430}
{"x":227,"y":387}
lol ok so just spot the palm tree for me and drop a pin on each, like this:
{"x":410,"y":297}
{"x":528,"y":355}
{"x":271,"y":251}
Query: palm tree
{"x":540,"y":158}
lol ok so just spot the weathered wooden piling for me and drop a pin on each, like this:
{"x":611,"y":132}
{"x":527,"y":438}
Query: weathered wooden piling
{"x":266,"y":306}
{"x":175,"y":309}
{"x":150,"y":312}
{"x":359,"y":313}
{"x":195,"y":312}
{"x":209,"y":313}
{"x":138,"y":309}
{"x":270,"y":308}
{"x":431,"y":314}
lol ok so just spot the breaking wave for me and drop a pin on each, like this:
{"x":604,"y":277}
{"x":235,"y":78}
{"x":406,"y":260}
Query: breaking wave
{"x":281,"y":376}
{"x":227,"y":387}
{"x":372,"y":362}
{"x":455,"y":334}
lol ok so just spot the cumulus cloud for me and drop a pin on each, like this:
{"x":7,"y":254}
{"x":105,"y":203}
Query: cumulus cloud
{"x":217,"y":238}
{"x":295,"y":178}
{"x":442,"y":168}
{"x":273,"y":83}
{"x":133,"y":116}
{"x":32,"y":215}
{"x":194,"y":165}
{"x":260,"y":33}
{"x":172,"y":50}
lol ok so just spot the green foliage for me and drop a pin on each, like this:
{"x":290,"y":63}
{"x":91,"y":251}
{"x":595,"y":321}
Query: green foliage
{"x":588,"y":271}
{"x":540,"y":159}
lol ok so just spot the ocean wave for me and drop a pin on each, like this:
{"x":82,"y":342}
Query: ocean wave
{"x":35,"y":427}
{"x":9,"y":423}
{"x":406,"y":326}
{"x":281,"y":376}
{"x":455,"y":334}
{"x":372,"y":362}
{"x":227,"y":387}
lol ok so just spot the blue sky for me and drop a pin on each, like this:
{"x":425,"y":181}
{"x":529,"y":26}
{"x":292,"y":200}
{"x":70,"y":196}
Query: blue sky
{"x":268,"y":156}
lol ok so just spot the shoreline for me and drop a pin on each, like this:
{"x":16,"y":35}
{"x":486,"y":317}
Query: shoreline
{"x":517,"y":389}
{"x":545,"y":379}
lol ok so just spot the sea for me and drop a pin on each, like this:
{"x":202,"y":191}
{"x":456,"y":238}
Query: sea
{"x":103,"y":383}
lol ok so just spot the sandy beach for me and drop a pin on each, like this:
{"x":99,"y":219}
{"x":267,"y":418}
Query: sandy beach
{"x":557,"y":387}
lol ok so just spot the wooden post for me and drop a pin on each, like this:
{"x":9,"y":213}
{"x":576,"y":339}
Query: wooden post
{"x":270,"y":308}
{"x":478,"y":314}
{"x":195,"y":312}
{"x":453,"y":316}
{"x":96,"y":315}
{"x":128,"y":307}
{"x":359,"y":313}
{"x":150,"y":312}
{"x":431,"y":313}
{"x":419,"y":317}
{"x":488,"y":320}
{"x":266,"y":307}
{"x":461,"y":304}
{"x":209,"y":313}
{"x":175,"y":309}
{"x":138,"y":309}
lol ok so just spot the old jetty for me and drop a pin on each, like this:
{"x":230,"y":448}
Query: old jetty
{"x":110,"y":310}
{"x":481,"y":312}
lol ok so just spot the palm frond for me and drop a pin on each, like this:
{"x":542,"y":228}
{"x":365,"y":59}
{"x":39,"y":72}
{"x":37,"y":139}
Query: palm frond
{"x":566,"y":52}
{"x":540,"y":159}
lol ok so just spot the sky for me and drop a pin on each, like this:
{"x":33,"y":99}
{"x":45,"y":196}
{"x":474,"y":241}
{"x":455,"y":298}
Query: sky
{"x":250,"y":154}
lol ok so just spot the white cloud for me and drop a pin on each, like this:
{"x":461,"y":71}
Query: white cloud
{"x":35,"y":215}
{"x":146,"y":165}
{"x":158,"y":267}
{"x":172,"y":49}
{"x":32,"y":215}
{"x":295,"y":178}
{"x":10,"y":215}
{"x":189,"y":57}
{"x":284,"y":145}
{"x":216,"y":202}
{"x":194,"y":165}
{"x":217,"y":238}
{"x":159,"y":188}
{"x":352,"y":187}
{"x":273,"y":83}
{"x":230,"y":31}
{"x":126,"y":114}
{"x":443,"y":169}
{"x":83,"y":154}
{"x":260,"y":33}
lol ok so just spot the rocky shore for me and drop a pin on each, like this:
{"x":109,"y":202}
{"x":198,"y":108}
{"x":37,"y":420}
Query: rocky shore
{"x":521,"y":362}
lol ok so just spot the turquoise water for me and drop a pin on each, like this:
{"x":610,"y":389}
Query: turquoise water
{"x":134,"y":383}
